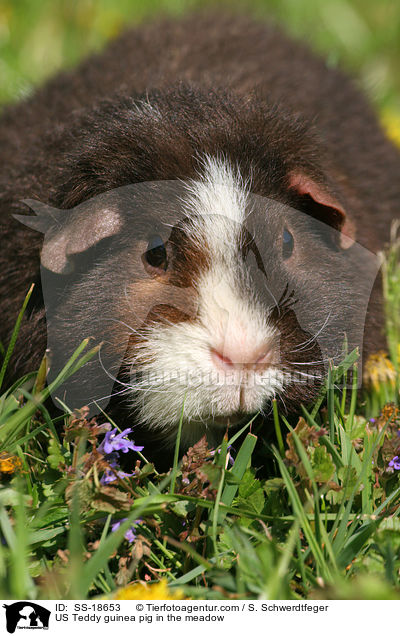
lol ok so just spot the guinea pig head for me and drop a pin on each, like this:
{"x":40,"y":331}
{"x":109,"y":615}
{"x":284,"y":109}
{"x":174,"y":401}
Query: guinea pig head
{"x":208,"y":299}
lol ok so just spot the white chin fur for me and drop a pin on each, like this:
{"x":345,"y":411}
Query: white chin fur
{"x":174,"y":362}
{"x":183,"y":376}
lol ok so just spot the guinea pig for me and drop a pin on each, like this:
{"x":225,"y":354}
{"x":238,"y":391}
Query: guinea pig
{"x":211,"y":197}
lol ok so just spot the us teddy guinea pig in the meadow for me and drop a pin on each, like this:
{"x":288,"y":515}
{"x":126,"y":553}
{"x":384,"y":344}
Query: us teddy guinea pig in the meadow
{"x":208,"y":200}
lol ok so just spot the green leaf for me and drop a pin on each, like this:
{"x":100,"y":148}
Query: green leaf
{"x":358,"y":427}
{"x":57,"y":455}
{"x":355,"y":543}
{"x":322,"y":464}
{"x":251,"y":495}
{"x":213,"y":474}
{"x":110,"y":499}
{"x":182,"y":508}
{"x":238,"y":469}
{"x":8,"y":405}
{"x":38,"y":536}
{"x":348,"y":477}
{"x":11,"y":497}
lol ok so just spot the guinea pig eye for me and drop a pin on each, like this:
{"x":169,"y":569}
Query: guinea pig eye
{"x":287,"y":244}
{"x":156,"y":255}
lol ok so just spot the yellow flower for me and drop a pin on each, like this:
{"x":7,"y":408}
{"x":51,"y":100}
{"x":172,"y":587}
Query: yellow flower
{"x":9,"y":464}
{"x":379,"y":370}
{"x":390,"y":411}
{"x":145,"y":592}
{"x":391,"y":124}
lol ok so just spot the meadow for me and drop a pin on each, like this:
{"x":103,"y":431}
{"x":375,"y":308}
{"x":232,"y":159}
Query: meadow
{"x":309,"y":510}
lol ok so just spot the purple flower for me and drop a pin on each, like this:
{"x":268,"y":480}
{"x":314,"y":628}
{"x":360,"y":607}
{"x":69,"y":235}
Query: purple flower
{"x":395,"y":463}
{"x":114,"y":472}
{"x":112,"y":475}
{"x":130,"y":534}
{"x":115,"y":441}
{"x":109,"y":447}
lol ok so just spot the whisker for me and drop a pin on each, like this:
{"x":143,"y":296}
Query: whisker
{"x":131,"y":329}
{"x":107,"y":397}
{"x":280,"y":397}
{"x":273,"y":298}
{"x":330,"y":359}
{"x":301,"y":346}
{"x":132,"y":387}
{"x":301,"y":373}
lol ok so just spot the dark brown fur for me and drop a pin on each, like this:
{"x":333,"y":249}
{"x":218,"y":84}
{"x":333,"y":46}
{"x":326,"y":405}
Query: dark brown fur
{"x":224,"y":85}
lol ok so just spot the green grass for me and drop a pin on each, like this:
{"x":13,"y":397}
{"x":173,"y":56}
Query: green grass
{"x":322,"y":521}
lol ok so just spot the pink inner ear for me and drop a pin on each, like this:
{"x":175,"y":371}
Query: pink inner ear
{"x":303,"y":184}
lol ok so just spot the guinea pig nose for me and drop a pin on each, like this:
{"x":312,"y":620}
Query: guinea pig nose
{"x":257,"y":358}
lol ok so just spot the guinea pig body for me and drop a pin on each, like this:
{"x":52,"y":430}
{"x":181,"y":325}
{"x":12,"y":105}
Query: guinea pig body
{"x":252,"y":186}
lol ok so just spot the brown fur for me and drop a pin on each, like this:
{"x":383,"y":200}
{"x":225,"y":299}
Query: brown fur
{"x":224,"y":85}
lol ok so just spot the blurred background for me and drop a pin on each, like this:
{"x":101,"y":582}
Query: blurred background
{"x":37,"y":37}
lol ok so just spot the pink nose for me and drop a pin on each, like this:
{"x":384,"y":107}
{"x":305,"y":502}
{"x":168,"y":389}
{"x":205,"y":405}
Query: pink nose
{"x":258,"y":358}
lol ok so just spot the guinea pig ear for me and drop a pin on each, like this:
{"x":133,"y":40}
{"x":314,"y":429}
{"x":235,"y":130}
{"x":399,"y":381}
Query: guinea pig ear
{"x":70,"y":232}
{"x":324,"y":207}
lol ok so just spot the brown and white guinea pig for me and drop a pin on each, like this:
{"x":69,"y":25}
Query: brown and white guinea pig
{"x":213,"y":199}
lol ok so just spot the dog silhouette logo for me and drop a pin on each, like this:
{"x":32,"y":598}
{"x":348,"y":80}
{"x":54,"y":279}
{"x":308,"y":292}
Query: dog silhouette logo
{"x":26,"y":615}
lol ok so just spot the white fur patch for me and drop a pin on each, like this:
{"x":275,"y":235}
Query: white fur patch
{"x":217,"y":204}
{"x":175,"y":361}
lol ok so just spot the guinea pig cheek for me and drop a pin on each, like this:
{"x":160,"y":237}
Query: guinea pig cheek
{"x":155,"y":301}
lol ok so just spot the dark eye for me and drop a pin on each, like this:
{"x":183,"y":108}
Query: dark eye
{"x":287,"y":244}
{"x":156,"y":254}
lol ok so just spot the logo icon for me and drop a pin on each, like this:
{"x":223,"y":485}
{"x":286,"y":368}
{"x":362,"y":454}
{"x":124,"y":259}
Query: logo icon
{"x":26,"y":615}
